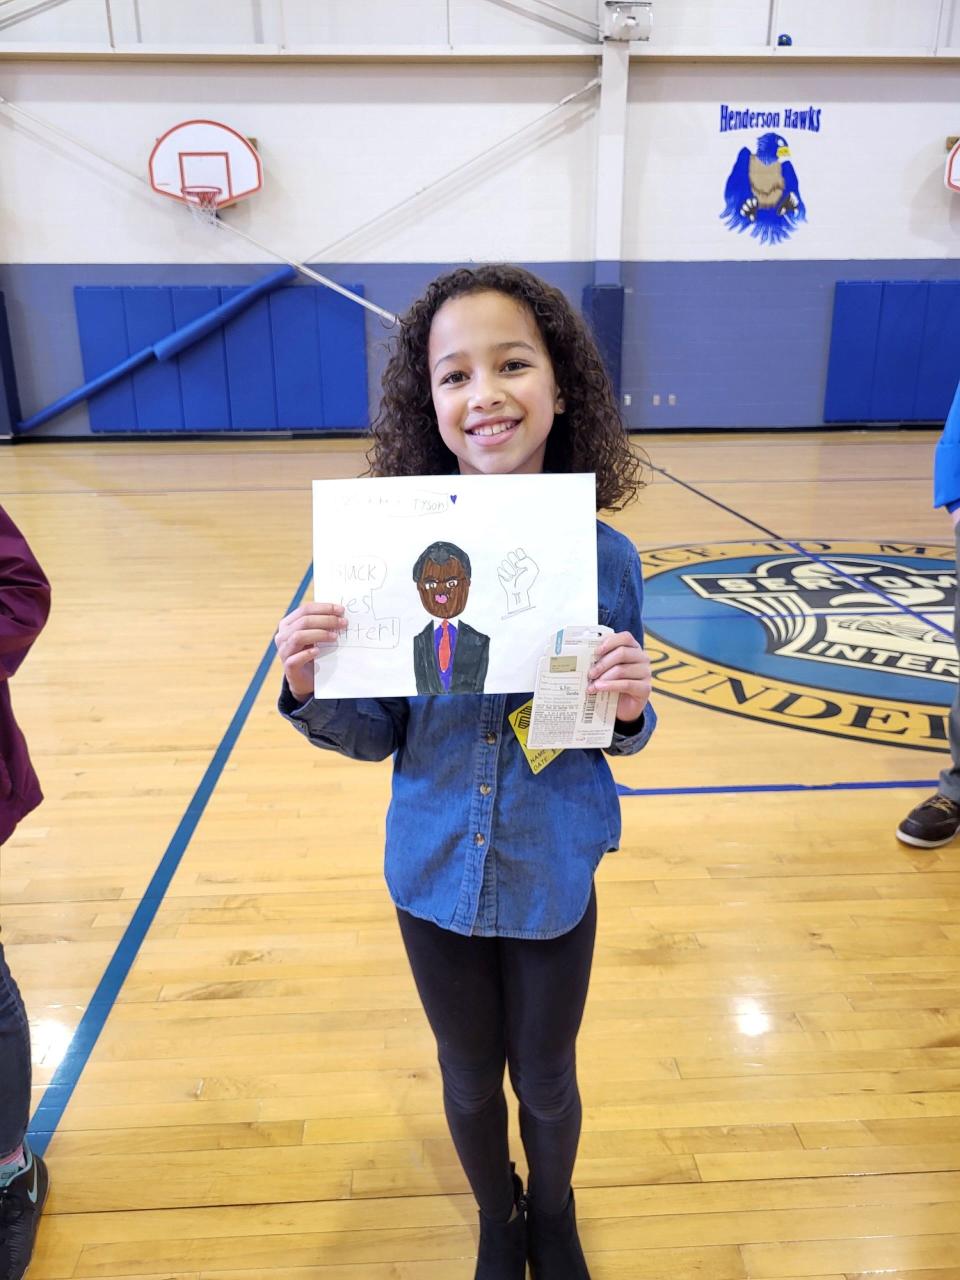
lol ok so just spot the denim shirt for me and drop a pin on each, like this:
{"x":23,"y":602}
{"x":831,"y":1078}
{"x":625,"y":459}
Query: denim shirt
{"x":475,"y":841}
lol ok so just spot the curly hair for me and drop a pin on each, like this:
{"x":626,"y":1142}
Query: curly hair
{"x":587,"y":436}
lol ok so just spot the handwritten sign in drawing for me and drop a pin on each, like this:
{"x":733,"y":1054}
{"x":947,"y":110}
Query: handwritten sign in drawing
{"x":450,"y":584}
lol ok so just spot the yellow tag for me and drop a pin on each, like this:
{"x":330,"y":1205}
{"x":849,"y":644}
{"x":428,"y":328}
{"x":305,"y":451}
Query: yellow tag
{"x":537,"y":758}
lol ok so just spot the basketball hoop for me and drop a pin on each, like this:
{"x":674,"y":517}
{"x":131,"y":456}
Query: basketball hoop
{"x":202,"y":203}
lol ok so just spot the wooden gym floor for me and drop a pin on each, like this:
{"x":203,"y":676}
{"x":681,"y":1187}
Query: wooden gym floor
{"x":771,"y":1056}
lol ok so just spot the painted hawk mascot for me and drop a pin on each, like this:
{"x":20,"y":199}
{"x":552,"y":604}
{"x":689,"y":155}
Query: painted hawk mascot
{"x":762,"y":192}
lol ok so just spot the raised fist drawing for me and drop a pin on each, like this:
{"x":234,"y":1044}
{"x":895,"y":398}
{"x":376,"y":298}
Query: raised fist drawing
{"x":517,"y":573}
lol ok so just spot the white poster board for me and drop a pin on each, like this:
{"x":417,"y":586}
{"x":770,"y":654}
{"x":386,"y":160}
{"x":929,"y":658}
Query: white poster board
{"x":530,"y":544}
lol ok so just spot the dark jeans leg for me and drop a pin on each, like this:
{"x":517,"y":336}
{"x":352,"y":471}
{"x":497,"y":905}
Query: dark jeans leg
{"x":459,"y":983}
{"x":546,"y":990}
{"x":950,"y":777}
{"x":14,"y":1062}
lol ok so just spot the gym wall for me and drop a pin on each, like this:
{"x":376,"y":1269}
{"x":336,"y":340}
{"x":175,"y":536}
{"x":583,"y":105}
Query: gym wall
{"x":735,"y":330}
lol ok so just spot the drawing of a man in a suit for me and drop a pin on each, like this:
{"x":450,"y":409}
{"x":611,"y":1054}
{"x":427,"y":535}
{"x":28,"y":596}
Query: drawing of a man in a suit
{"x":448,"y":657}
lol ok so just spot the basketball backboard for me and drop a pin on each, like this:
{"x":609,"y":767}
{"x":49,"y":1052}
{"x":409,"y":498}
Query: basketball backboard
{"x":952,"y":175}
{"x":204,"y":163}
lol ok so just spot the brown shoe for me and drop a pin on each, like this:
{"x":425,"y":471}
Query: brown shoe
{"x":933,"y":822}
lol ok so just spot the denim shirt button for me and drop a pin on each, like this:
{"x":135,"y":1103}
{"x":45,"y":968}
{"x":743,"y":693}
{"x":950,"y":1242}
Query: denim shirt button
{"x":485,"y":788}
{"x":479,"y":838}
{"x":491,"y":739}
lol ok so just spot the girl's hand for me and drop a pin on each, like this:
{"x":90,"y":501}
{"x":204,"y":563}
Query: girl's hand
{"x":299,"y":639}
{"x":621,"y":665}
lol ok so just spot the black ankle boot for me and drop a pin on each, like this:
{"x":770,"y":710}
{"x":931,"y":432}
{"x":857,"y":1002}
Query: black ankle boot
{"x":503,"y":1245}
{"x":553,"y":1244}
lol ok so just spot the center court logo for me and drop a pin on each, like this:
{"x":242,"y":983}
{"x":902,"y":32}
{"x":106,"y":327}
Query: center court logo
{"x":847,"y":638}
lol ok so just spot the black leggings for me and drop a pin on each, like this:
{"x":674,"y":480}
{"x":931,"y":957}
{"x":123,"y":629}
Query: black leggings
{"x":497,"y":1001}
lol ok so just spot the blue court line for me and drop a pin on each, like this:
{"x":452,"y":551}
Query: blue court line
{"x":824,"y":480}
{"x":764,"y":437}
{"x":810,"y":555}
{"x":651,"y":615}
{"x":748,"y":789}
{"x":140,"y":493}
{"x":59,"y":1091}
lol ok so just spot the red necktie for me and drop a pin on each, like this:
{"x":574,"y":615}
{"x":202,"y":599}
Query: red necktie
{"x":443,"y":654}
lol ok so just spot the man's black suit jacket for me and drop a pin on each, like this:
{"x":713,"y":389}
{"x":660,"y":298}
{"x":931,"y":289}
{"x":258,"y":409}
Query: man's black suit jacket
{"x":471,"y":655}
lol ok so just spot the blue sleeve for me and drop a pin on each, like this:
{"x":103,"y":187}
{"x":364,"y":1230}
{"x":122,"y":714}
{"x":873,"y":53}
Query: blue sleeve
{"x":361,"y":728}
{"x":946,"y":462}
{"x":627,"y":615}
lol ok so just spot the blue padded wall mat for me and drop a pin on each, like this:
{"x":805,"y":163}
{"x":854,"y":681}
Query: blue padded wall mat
{"x":899,"y":338}
{"x":894,"y":351}
{"x":156,"y":387}
{"x":251,"y":377}
{"x":103,"y":344}
{"x":9,"y":398}
{"x":602,"y":306}
{"x":940,"y":355}
{"x":204,"y":391}
{"x":294,"y":360}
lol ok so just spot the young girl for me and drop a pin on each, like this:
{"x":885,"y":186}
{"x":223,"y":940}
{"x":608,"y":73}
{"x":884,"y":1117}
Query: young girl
{"x":490,"y":865}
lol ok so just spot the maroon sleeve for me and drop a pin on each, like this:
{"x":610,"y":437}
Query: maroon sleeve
{"x":24,"y":597}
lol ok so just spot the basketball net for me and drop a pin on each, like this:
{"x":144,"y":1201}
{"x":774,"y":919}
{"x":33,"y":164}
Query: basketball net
{"x":202,"y":203}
